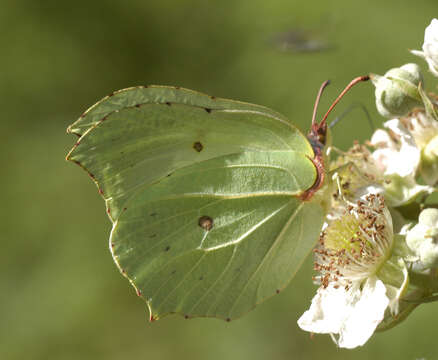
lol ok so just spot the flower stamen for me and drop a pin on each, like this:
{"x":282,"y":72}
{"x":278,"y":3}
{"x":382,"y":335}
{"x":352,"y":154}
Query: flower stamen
{"x":354,"y":245}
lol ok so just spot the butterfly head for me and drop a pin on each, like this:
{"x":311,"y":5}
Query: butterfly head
{"x":319,"y":136}
{"x":318,"y":131}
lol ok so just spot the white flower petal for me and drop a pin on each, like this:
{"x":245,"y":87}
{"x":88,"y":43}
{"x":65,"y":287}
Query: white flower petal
{"x":429,"y":252}
{"x":431,"y":32}
{"x":397,"y":127}
{"x":353,"y":314}
{"x":429,"y":218}
{"x":325,"y":313}
{"x":381,"y":138}
{"x":396,"y":159}
{"x":423,"y":238}
{"x":430,"y":47}
{"x":423,"y":128}
{"x":405,"y":161}
{"x":383,"y":157}
{"x":365,"y":312}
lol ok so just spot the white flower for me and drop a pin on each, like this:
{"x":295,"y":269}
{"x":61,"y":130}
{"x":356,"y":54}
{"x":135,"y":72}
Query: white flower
{"x":424,"y":130}
{"x":351,"y":258}
{"x":396,"y":151}
{"x":353,"y":314}
{"x":422,"y":127}
{"x":398,"y":158}
{"x":423,"y":238}
{"x":430,"y":47}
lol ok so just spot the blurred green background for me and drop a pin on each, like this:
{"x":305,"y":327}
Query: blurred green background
{"x":62,"y":297}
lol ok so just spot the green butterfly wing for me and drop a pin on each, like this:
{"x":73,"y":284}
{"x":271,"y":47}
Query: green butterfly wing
{"x":204,"y":196}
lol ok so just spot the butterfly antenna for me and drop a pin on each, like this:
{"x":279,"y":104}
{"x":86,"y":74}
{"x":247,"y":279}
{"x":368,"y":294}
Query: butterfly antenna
{"x":350,"y":109}
{"x":347,"y":88}
{"x":315,"y":107}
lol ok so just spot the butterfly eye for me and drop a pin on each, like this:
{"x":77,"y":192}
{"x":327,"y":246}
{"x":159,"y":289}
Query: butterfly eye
{"x":322,"y":134}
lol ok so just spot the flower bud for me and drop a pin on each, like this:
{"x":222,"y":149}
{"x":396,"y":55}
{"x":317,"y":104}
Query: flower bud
{"x":422,"y":239}
{"x":430,"y":47}
{"x":397,"y":91}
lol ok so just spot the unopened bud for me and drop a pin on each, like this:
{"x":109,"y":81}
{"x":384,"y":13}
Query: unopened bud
{"x":423,"y":238}
{"x":397,"y":91}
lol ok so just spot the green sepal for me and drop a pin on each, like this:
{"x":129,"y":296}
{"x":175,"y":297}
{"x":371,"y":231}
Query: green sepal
{"x":428,"y":105}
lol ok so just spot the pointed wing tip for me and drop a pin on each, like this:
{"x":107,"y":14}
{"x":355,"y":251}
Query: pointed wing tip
{"x":71,"y":130}
{"x":69,"y":156}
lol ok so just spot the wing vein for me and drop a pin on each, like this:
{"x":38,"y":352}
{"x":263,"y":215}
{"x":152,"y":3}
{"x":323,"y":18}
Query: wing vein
{"x":214,"y":283}
{"x":182,"y":280}
{"x":265,"y":256}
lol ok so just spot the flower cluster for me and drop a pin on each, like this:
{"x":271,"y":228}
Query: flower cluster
{"x":377,"y":258}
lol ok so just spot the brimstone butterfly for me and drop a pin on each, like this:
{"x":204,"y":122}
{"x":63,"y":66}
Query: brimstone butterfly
{"x":212,"y":200}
